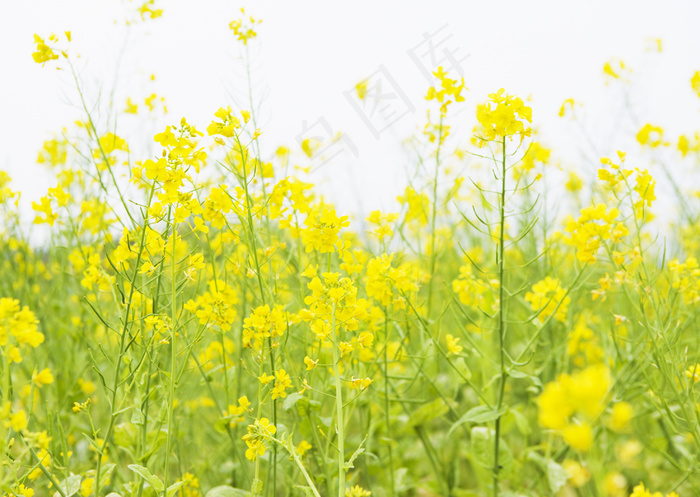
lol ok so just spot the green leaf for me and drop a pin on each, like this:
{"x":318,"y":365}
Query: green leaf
{"x":97,"y":448}
{"x":156,"y":440}
{"x":428,"y":412}
{"x":479,"y":414}
{"x":137,"y":416}
{"x":514,"y":373}
{"x":226,"y":491}
{"x":462,"y":367}
{"x":125,"y":434}
{"x":290,"y":400}
{"x":307,"y":490}
{"x":173,"y":488}
{"x":482,"y":449}
{"x":70,"y":486}
{"x":348,"y":465}
{"x":222,"y":424}
{"x":521,"y":422}
{"x":144,"y":473}
{"x":556,"y":475}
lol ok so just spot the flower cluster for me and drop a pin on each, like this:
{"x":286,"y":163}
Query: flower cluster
{"x":640,"y":491}
{"x":336,"y":293}
{"x":685,"y":279}
{"x":264,"y":323}
{"x":258,"y":433}
{"x":447,"y":91}
{"x":243,"y":29}
{"x":322,"y":228}
{"x":44,"y":52}
{"x":381,"y":278}
{"x":504,"y":115}
{"x":570,"y":403}
{"x":548,"y":297}
{"x":470,"y":290}
{"x":651,"y":136}
{"x":595,"y":224}
{"x":217,"y":307}
{"x":418,"y":206}
{"x":20,"y":323}
{"x":583,"y":345}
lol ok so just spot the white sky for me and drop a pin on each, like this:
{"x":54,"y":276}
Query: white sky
{"x":310,"y":52}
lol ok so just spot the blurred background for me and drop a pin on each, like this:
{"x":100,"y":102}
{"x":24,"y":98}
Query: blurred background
{"x":308,"y":57}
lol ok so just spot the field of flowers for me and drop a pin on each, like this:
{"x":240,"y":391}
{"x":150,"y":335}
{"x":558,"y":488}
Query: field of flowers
{"x":203,"y":322}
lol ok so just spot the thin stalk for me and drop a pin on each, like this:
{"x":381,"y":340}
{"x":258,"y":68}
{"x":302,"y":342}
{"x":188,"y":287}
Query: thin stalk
{"x":386,"y":399}
{"x":173,"y":351}
{"x":122,"y":342}
{"x":339,"y":408}
{"x":5,"y":399}
{"x":433,"y":218}
{"x":501,"y":319}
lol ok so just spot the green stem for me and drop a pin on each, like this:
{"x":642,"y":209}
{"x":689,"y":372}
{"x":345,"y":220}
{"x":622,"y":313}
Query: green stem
{"x":5,"y":400}
{"x":433,"y":217}
{"x":339,"y":407}
{"x":173,"y":352}
{"x":122,"y":342}
{"x":386,"y":399}
{"x":295,"y":455}
{"x":501,"y":319}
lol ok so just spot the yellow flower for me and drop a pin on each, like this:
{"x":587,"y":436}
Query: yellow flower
{"x":579,"y":436}
{"x":504,"y":115}
{"x":42,"y":378}
{"x":86,"y":487}
{"x":548,"y":297}
{"x":650,"y":136}
{"x":131,"y":107}
{"x":310,"y":363}
{"x":361,"y":89}
{"x":576,"y":472}
{"x":266,"y":378}
{"x":258,"y":434}
{"x":615,"y":484}
{"x":447,"y":92}
{"x":693,"y":373}
{"x":282,"y":382}
{"x":357,"y":491}
{"x":322,"y":228}
{"x":581,"y":393}
{"x":18,"y":420}
{"x":359,"y":383}
{"x":418,"y":206}
{"x":616,"y":69}
{"x":44,"y":53}
{"x":303,"y":447}
{"x":15,"y":355}
{"x":22,"y":491}
{"x":243,"y":28}
{"x":453,"y":347}
{"x":595,"y":224}
{"x":640,"y":491}
{"x":695,"y":82}
{"x":570,"y":103}
{"x":622,"y":413}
